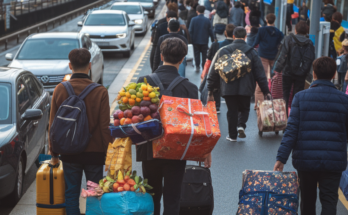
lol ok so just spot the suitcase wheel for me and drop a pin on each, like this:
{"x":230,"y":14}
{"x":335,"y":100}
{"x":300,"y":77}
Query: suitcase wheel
{"x":260,"y":133}
{"x":277,"y":132}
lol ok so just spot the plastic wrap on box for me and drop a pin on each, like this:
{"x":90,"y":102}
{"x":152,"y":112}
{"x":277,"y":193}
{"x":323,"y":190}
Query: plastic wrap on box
{"x":272,"y":115}
{"x":191,"y":130}
{"x":119,"y":156}
{"x":139,"y":133}
{"x":125,"y":203}
{"x":344,"y":183}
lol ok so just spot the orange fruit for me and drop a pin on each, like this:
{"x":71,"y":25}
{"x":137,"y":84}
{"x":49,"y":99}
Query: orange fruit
{"x":122,"y":121}
{"x":125,"y":100}
{"x":128,"y":121}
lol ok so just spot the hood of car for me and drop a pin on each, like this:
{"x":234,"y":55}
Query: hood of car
{"x":6,"y":133}
{"x":103,"y":30}
{"x":43,"y":67}
{"x":135,"y":16}
{"x":146,"y":4}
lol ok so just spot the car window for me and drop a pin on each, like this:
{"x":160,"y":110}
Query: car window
{"x":23,"y":102}
{"x":105,"y":20}
{"x":47,"y":49}
{"x":129,"y":9}
{"x":5,"y":104}
{"x":33,"y":90}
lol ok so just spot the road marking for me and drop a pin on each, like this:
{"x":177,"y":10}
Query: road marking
{"x":342,"y":198}
{"x":141,"y":65}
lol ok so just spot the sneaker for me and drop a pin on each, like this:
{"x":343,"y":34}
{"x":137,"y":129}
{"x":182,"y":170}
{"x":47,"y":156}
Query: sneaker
{"x":198,"y":70}
{"x":230,"y":139}
{"x":241,"y":133}
{"x":217,"y":110}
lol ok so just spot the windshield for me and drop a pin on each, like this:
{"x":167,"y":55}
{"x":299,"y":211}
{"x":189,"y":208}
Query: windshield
{"x":129,"y":9}
{"x":147,"y":1}
{"x":5,"y":104}
{"x":47,"y":49}
{"x":105,"y":20}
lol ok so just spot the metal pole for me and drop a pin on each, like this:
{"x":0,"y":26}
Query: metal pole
{"x":315,"y":23}
{"x":278,"y":4}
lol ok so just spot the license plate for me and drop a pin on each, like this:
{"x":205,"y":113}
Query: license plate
{"x":102,"y":44}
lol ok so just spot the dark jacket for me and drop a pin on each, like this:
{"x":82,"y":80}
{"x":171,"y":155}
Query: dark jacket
{"x":98,"y":114}
{"x":282,"y":63}
{"x":236,"y":16}
{"x":222,"y":9}
{"x":343,"y":67}
{"x":185,"y":89}
{"x":157,"y":58}
{"x":214,"y":48}
{"x":252,"y":36}
{"x":200,"y":30}
{"x":268,"y":38}
{"x":191,"y":14}
{"x":246,"y":85}
{"x":153,"y":33}
{"x":317,"y":129}
{"x":208,"y":5}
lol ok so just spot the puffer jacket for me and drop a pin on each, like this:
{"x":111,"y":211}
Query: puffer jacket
{"x":317,"y":129}
{"x":244,"y":86}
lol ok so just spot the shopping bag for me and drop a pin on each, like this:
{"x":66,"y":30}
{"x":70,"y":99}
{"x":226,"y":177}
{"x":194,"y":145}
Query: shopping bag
{"x":191,"y":130}
{"x":271,"y":115}
{"x":276,"y":86}
{"x":189,"y":55}
{"x":206,"y":69}
{"x":119,"y":156}
{"x":125,"y":203}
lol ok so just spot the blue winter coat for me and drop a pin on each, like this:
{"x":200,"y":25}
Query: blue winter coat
{"x":317,"y":129}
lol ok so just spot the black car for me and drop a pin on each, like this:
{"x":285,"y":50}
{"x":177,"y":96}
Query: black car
{"x":24,"y":115}
{"x":148,"y":5}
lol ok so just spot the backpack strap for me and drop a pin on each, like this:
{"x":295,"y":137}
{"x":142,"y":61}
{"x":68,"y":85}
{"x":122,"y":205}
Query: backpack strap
{"x":69,"y":88}
{"x":88,"y":89}
{"x":157,"y":81}
{"x":175,"y":83}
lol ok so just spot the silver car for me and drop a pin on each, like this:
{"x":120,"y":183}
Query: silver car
{"x":136,"y":13}
{"x":46,"y":56}
{"x":111,"y":30}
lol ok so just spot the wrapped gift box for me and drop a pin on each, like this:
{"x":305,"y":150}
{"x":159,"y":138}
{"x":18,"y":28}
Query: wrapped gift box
{"x":272,"y":115}
{"x":191,"y":130}
{"x":139,"y":133}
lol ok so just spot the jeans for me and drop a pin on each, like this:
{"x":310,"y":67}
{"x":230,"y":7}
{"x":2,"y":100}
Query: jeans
{"x":237,"y":113}
{"x":165,"y":176}
{"x":328,"y":191}
{"x":267,"y":66}
{"x":288,"y":81}
{"x":341,"y":81}
{"x":182,"y":68}
{"x":73,"y":178}
{"x":198,"y":49}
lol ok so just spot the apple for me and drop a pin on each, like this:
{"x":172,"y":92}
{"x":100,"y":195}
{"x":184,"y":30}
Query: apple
{"x":116,"y":122}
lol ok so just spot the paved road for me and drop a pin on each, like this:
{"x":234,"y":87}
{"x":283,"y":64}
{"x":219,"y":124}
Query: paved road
{"x":113,"y":63}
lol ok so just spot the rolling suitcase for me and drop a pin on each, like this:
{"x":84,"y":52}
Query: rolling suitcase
{"x":197,"y":196}
{"x":50,"y":189}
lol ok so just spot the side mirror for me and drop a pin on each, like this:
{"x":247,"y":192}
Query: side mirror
{"x":146,"y":13}
{"x":9,"y":56}
{"x":32,"y":114}
{"x":131,"y":23}
{"x":79,"y":23}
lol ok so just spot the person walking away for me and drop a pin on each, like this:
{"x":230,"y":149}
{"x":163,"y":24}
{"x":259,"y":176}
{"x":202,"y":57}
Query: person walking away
{"x":237,"y":15}
{"x":289,"y":12}
{"x":220,"y":18}
{"x":209,"y":5}
{"x":92,"y":159}
{"x":317,"y":137}
{"x":295,"y":60}
{"x":337,"y":32}
{"x":173,"y":52}
{"x":303,"y":12}
{"x":192,"y":13}
{"x":214,"y":48}
{"x":173,"y":28}
{"x":200,"y":31}
{"x":328,"y":10}
{"x":268,"y":38}
{"x":238,"y":92}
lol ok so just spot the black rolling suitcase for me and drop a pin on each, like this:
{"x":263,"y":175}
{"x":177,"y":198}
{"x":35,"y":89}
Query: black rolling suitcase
{"x":197,"y":196}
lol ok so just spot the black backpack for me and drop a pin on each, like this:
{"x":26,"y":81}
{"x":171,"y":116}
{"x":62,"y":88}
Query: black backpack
{"x":172,"y":85}
{"x":301,"y":57}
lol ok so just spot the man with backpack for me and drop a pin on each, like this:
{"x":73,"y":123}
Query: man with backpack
{"x":167,"y":78}
{"x":237,"y":90}
{"x":79,"y":128}
{"x":295,"y":60}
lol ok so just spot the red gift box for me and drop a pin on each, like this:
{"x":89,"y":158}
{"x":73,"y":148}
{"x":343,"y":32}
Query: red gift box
{"x":191,"y":130}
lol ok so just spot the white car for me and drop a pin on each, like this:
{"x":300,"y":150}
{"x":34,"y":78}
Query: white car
{"x":46,"y":56}
{"x":136,"y":13}
{"x":111,"y":30}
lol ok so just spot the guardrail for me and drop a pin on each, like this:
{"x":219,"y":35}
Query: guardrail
{"x":44,"y":25}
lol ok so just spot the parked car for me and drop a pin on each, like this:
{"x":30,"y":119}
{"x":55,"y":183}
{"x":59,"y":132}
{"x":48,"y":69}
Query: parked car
{"x":111,"y":30}
{"x":149,"y":6}
{"x":136,"y":13}
{"x":46,"y":56}
{"x":24,"y":115}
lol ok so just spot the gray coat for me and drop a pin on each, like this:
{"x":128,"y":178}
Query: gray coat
{"x":236,"y":16}
{"x":246,"y":85}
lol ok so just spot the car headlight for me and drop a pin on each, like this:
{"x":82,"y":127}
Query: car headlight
{"x":67,"y":77}
{"x":138,"y":21}
{"x":123,"y":35}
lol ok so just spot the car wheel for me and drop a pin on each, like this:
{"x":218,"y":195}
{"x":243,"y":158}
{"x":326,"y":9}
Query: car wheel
{"x":132,"y":47}
{"x":101,"y":77}
{"x":127,"y":53}
{"x":18,"y":190}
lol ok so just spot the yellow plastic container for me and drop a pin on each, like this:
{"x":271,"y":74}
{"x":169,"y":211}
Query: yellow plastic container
{"x":50,"y":190}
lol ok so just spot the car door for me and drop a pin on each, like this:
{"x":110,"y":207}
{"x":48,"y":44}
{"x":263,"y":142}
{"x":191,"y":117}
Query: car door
{"x":38,"y":100}
{"x":129,"y":30}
